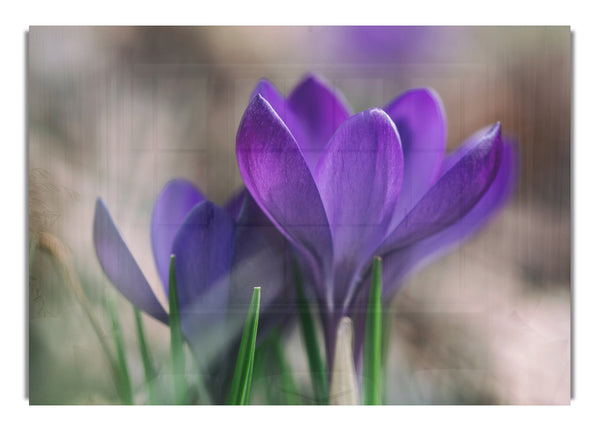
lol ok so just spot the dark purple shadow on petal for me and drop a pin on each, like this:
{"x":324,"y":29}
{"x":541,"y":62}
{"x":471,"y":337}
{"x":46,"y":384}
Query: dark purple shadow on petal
{"x":319,"y":110}
{"x":234,"y":205}
{"x":262,"y":257}
{"x":173,"y":204}
{"x":120,"y":266}
{"x":452,"y":196}
{"x":278,"y":178}
{"x":359,"y":177}
{"x":419,"y":116}
{"x":203,"y":249}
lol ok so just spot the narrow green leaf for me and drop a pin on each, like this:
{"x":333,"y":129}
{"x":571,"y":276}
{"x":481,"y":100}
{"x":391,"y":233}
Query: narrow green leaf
{"x":242,"y":376}
{"x":149,"y":372}
{"x":177,"y":349}
{"x":372,"y":352}
{"x":318,"y":374}
{"x":124,"y":384}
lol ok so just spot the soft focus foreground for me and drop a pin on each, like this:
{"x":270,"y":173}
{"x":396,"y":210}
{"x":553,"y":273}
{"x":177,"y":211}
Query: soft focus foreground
{"x":119,"y":112}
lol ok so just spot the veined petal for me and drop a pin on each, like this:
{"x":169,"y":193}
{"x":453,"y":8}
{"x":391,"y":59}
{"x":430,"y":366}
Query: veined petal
{"x":203,"y":249}
{"x":120,"y":266}
{"x":359,"y":177}
{"x":277,"y":177}
{"x":419,"y":116}
{"x":174,"y":203}
{"x":319,"y":111}
{"x":280,"y":105}
{"x":453,"y":195}
{"x":399,"y":263}
{"x":272,"y":95}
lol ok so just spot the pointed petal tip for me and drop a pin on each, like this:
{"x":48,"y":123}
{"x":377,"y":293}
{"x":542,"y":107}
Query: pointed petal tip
{"x":313,"y":78}
{"x":314,"y":82}
{"x":100,"y":204}
{"x":260,"y":103}
{"x":264,"y":86}
{"x":496,"y":129}
{"x":379,"y":112}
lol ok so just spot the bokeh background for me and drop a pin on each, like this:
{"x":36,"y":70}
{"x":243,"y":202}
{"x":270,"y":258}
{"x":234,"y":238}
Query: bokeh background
{"x":117,"y":112}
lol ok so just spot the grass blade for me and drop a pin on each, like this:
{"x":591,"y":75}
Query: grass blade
{"x":149,"y":372}
{"x":62,"y":261}
{"x":242,"y":376}
{"x":177,"y":352}
{"x":124,"y":385}
{"x":318,"y":374}
{"x":373,"y":336}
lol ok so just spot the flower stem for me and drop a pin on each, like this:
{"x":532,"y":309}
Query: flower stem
{"x":318,"y":374}
{"x":149,"y":372}
{"x":124,"y":385}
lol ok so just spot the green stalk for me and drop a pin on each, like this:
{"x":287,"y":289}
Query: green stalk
{"x":124,"y":385}
{"x":372,"y":352}
{"x":148,"y":369}
{"x":242,"y":376}
{"x":318,"y":374}
{"x":177,"y":350}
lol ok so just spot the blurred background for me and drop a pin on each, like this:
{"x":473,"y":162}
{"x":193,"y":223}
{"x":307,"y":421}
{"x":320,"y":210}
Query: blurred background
{"x":117,"y":112}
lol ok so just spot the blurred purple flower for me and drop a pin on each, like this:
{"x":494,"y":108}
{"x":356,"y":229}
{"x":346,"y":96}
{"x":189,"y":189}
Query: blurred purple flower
{"x":343,"y":188}
{"x":220,"y":255}
{"x":395,"y":44}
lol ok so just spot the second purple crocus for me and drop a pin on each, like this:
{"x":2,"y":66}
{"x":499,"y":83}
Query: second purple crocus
{"x":220,"y":255}
{"x":344,"y":188}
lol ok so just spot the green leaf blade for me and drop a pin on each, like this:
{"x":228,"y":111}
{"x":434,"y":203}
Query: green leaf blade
{"x":124,"y":382}
{"x":318,"y":374}
{"x":177,"y":348}
{"x":149,"y":372}
{"x":242,"y":377}
{"x":373,"y":339}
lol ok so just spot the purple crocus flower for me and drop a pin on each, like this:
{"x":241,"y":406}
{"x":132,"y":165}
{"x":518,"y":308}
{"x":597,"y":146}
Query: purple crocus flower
{"x":344,"y":188}
{"x":220,"y":255}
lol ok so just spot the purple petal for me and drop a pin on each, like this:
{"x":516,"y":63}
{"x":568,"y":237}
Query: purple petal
{"x":453,"y":195}
{"x":319,"y":112}
{"x":174,"y":203}
{"x":398,"y":264}
{"x":359,"y":178}
{"x":120,"y":266}
{"x":270,"y":93}
{"x":419,"y":116}
{"x":262,"y":258}
{"x":203,"y":248}
{"x":234,"y":205}
{"x":278,"y":178}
